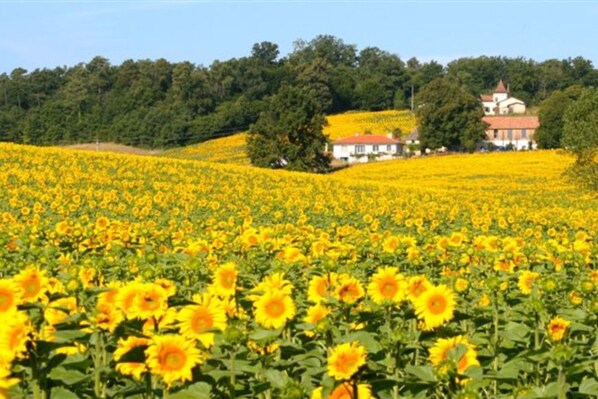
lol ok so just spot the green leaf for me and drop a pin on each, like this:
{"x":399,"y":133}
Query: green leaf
{"x":63,"y":393}
{"x":516,"y":332}
{"x":424,"y":373}
{"x":261,"y":334}
{"x":68,"y":336}
{"x":544,"y":392}
{"x":69,"y":377}
{"x":199,"y":390}
{"x":589,"y":386}
{"x":368,"y":340}
{"x":277,"y":378}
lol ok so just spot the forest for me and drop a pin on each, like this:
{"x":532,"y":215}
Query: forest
{"x":159,"y":104}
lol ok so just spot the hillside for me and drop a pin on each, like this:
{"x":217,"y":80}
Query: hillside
{"x":231,"y":149}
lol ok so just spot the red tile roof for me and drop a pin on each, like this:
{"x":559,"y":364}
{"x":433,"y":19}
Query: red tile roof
{"x":500,"y":88}
{"x":511,"y":122}
{"x":486,"y":97}
{"x":366,"y":139}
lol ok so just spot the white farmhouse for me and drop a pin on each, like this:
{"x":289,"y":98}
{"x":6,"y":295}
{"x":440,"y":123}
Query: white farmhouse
{"x":500,"y":103}
{"x":361,"y":148}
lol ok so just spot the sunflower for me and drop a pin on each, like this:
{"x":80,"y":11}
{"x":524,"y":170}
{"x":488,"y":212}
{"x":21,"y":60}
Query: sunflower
{"x":33,"y":283}
{"x":168,"y":285}
{"x":346,"y":391}
{"x":166,"y":321}
{"x":273,"y":309}
{"x":557,"y":327}
{"x":526,"y":281}
{"x":435,"y":306}
{"x":224,"y":280}
{"x":387,"y":285}
{"x":107,"y":317}
{"x":320,"y":287}
{"x":126,"y":298}
{"x":172,"y":357}
{"x":345,"y":359}
{"x":86,"y":276}
{"x":440,"y":351}
{"x":416,"y":286}
{"x":316,"y":313}
{"x":275,"y":282}
{"x":151,"y":302}
{"x":14,"y":335}
{"x":348,"y":289}
{"x":6,"y":381}
{"x":194,"y":320}
{"x":58,"y":310}
{"x":134,"y":369}
{"x":10,"y":296}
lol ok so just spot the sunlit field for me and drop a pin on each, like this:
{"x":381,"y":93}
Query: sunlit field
{"x":232,"y":149}
{"x":147,"y":277}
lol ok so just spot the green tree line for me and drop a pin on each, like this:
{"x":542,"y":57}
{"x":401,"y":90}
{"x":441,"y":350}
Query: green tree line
{"x":156,"y":103}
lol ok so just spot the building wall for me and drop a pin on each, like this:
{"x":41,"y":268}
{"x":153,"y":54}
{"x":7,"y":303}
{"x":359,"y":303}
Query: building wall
{"x":519,"y":138}
{"x":488,"y":107}
{"x":348,"y":152}
{"x":499,"y":97}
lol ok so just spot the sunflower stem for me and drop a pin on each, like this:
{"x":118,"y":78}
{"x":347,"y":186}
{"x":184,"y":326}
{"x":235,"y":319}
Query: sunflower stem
{"x":562,"y":384}
{"x":98,"y":365}
{"x":537,"y":346}
{"x":233,"y":380}
{"x":495,"y":361}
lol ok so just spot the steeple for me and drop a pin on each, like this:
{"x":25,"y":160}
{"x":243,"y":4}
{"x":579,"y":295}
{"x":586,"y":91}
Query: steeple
{"x":500,"y":88}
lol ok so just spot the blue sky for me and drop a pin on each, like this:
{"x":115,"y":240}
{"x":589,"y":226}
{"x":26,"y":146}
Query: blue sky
{"x":37,"y":34}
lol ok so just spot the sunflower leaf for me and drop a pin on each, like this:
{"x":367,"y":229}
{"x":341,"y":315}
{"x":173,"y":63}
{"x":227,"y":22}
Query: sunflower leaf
{"x":199,"y":390}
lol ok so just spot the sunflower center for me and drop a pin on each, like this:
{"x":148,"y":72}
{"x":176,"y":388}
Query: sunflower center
{"x":462,"y":364}
{"x":227,"y":280}
{"x":389,"y":289}
{"x":347,"y":363}
{"x":150,"y":302}
{"x":322,"y":287}
{"x":31,"y":287}
{"x":6,"y":300}
{"x":202,"y":320}
{"x":437,"y":304}
{"x":348,"y":292}
{"x":173,"y":359}
{"x":15,"y":337}
{"x":275,"y":308}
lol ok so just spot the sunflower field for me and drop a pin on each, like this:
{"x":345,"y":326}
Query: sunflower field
{"x":125,"y":276}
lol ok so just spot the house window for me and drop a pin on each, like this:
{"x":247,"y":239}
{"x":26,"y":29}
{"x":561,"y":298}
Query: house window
{"x":523,"y":133}
{"x":495,"y":133}
{"x":510,"y":134}
{"x":388,"y":148}
{"x":487,"y":109}
{"x":360,"y":149}
{"x":375,"y":148}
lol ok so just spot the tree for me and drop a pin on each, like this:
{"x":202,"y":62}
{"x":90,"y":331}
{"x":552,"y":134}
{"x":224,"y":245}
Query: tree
{"x":289,"y":133}
{"x":449,"y":117}
{"x":552,"y":111}
{"x":580,"y":137}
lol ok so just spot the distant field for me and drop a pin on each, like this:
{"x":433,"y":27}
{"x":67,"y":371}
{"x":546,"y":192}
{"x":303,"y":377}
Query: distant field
{"x":383,"y":122}
{"x":112,"y":147}
{"x":231,"y":149}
